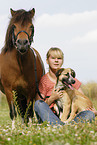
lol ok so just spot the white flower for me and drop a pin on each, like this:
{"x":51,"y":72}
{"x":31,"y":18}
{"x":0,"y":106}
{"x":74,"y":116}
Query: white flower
{"x":91,"y":131}
{"x":9,"y":139}
{"x":67,"y":143}
{"x":76,"y":134}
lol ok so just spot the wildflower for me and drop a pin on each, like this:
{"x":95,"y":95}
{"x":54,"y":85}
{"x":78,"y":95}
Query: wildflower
{"x":76,"y":134}
{"x":67,"y":143}
{"x":79,"y":137}
{"x":23,"y":133}
{"x":9,"y":139}
{"x":30,"y":142}
{"x":96,"y":134}
{"x":7,"y":126}
{"x":91,"y":131}
{"x":76,"y":127}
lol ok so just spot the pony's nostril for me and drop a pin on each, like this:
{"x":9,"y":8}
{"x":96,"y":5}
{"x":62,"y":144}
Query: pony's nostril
{"x":22,"y":42}
{"x":25,"y":42}
{"x":19,"y":41}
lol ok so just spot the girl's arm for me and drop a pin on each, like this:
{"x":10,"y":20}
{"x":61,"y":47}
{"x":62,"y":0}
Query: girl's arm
{"x":56,"y":94}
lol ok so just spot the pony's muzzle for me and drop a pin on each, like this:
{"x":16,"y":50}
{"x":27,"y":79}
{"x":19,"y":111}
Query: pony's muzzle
{"x":22,"y":45}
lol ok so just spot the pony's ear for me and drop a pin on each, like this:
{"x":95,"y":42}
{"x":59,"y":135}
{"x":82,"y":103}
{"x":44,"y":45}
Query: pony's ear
{"x":32,"y":12}
{"x":12,"y":12}
{"x":73,"y":73}
{"x":59,"y":72}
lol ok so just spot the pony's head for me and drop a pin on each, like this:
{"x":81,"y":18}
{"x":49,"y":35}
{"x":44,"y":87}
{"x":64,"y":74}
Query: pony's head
{"x":20,"y":31}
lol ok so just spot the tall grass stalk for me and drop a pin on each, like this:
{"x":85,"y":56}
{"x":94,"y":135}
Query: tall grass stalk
{"x":18,"y":109}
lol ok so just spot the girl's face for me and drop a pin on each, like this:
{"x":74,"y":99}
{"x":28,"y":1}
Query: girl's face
{"x":54,"y":62}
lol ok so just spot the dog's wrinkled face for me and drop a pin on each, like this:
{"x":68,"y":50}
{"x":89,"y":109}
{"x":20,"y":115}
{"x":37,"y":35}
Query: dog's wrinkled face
{"x":66,"y":76}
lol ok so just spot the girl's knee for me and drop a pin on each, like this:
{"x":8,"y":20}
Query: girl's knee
{"x":38,"y":104}
{"x":85,"y":116}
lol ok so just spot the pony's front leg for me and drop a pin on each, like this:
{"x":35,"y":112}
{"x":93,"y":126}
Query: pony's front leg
{"x":10,"y":100}
{"x":29,"y":111}
{"x":13,"y":114}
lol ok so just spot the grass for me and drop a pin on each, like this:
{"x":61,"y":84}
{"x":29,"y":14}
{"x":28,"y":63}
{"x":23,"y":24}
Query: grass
{"x":36,"y":134}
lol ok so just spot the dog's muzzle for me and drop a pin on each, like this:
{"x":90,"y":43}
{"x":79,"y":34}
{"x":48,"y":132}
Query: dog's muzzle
{"x":68,"y":82}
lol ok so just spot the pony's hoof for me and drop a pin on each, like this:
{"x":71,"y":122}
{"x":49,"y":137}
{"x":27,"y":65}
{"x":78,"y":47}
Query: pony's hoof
{"x":13,"y":124}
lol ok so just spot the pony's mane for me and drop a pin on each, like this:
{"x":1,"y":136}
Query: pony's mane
{"x":21,"y":16}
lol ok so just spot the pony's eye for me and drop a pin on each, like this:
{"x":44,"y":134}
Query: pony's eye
{"x":31,"y":27}
{"x":14,"y":26}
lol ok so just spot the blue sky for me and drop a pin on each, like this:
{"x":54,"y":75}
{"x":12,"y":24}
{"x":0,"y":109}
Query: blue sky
{"x":70,"y":25}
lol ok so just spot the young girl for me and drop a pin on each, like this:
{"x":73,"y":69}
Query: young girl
{"x":44,"y":108}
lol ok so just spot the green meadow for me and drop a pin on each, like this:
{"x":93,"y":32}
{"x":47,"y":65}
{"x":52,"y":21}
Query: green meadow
{"x":44,"y":134}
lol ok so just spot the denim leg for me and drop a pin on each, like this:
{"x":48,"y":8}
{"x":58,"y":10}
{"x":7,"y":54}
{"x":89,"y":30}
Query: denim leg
{"x":45,"y":113}
{"x":84,"y":116}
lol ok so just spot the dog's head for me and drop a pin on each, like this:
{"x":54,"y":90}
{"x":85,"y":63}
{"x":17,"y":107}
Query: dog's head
{"x":66,"y":76}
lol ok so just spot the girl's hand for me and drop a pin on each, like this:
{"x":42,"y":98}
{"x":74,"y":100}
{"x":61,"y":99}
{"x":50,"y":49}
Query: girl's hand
{"x":93,"y":110}
{"x":57,"y":93}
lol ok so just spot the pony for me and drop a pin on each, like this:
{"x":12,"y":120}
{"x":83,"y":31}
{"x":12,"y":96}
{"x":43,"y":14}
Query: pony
{"x":21,"y":66}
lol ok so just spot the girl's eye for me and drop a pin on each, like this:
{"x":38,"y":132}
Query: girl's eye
{"x":59,"y":58}
{"x":55,"y":58}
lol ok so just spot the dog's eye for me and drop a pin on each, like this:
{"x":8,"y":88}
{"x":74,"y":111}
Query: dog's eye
{"x":67,"y":74}
{"x":73,"y":73}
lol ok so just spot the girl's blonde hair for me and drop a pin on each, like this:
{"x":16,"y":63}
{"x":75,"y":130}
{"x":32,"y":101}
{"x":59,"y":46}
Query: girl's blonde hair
{"x":56,"y":52}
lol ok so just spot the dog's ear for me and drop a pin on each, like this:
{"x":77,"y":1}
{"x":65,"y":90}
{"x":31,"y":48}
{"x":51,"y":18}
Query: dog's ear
{"x":73,"y":74}
{"x":59,"y":72}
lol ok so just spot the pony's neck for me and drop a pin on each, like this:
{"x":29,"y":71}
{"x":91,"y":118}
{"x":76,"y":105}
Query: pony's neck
{"x":23,"y":57}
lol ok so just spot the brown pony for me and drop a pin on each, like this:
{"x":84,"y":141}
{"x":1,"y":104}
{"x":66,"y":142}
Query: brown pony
{"x":19,"y":62}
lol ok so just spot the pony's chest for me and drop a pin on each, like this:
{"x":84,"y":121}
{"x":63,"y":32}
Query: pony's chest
{"x":20,"y":82}
{"x":24,"y":86}
{"x":17,"y":78}
{"x":24,"y":82}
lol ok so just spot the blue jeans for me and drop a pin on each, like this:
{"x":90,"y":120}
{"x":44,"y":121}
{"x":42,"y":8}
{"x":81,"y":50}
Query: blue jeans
{"x":44,"y":113}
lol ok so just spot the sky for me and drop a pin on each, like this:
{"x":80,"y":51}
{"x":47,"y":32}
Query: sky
{"x":70,"y":25}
